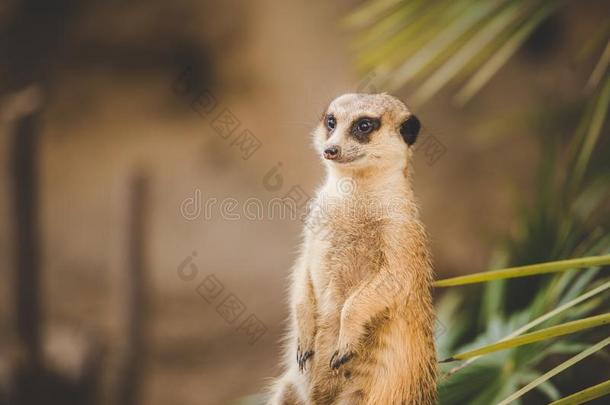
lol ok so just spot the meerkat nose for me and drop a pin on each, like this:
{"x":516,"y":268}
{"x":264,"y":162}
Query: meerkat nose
{"x":332,"y":152}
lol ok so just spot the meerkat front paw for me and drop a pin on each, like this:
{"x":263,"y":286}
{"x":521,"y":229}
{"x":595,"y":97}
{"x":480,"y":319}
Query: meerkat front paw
{"x":304,"y":353}
{"x":348,"y":341}
{"x":302,"y":357}
{"x":341,"y":356}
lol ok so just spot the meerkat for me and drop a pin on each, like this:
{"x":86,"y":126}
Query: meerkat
{"x":361,"y":312}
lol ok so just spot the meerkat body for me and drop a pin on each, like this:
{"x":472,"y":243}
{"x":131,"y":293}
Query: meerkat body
{"x":362,"y":318}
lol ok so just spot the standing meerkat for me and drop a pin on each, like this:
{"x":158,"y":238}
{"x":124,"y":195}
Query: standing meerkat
{"x":362,"y":319}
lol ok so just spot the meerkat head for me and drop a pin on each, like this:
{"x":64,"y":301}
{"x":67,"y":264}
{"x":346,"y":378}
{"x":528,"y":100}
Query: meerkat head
{"x":365,"y":131}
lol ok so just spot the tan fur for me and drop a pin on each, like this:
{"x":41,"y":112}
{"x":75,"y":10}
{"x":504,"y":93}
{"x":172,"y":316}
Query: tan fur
{"x":362,"y":282}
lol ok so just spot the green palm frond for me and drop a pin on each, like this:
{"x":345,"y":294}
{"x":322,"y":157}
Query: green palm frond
{"x":545,"y":387}
{"x":441,"y":40}
{"x":600,"y":68}
{"x":568,"y":218}
{"x":541,"y":320}
{"x":586,"y":395}
{"x":537,"y":336}
{"x":553,"y":372}
{"x":524,"y":271}
{"x":593,"y":131}
{"x":503,"y":53}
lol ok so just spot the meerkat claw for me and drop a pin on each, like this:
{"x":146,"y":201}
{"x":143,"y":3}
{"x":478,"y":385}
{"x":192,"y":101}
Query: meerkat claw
{"x":302,"y":358}
{"x":337,"y":361}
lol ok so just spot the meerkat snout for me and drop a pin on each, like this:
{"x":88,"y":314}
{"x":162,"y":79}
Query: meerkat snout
{"x":332,"y":152}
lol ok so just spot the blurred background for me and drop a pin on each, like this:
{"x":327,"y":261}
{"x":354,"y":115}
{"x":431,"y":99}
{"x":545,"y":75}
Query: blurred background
{"x":143,"y":142}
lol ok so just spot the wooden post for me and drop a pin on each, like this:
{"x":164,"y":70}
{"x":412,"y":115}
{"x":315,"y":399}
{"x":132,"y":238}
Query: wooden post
{"x":130,"y":382}
{"x":27,"y":236}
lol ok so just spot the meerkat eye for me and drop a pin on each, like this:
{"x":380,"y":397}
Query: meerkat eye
{"x":331,"y":122}
{"x":364,"y":126}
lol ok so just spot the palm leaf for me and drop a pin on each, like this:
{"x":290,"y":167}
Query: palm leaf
{"x":546,"y":387}
{"x":597,"y":120}
{"x":464,"y":387}
{"x":541,"y":320}
{"x":586,"y":395}
{"x":553,"y":372}
{"x":475,"y":45}
{"x":387,"y":27}
{"x":410,"y":38}
{"x":402,"y":39}
{"x":369,"y":12}
{"x":445,"y":38}
{"x":501,"y":56}
{"x":600,"y":68}
{"x":537,"y":336}
{"x":524,"y":271}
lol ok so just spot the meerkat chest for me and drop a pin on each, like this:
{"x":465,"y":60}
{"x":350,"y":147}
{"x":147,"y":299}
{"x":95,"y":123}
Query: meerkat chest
{"x":346,"y":247}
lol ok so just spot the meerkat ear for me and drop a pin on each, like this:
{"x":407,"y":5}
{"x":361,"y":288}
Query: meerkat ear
{"x":409,"y":129}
